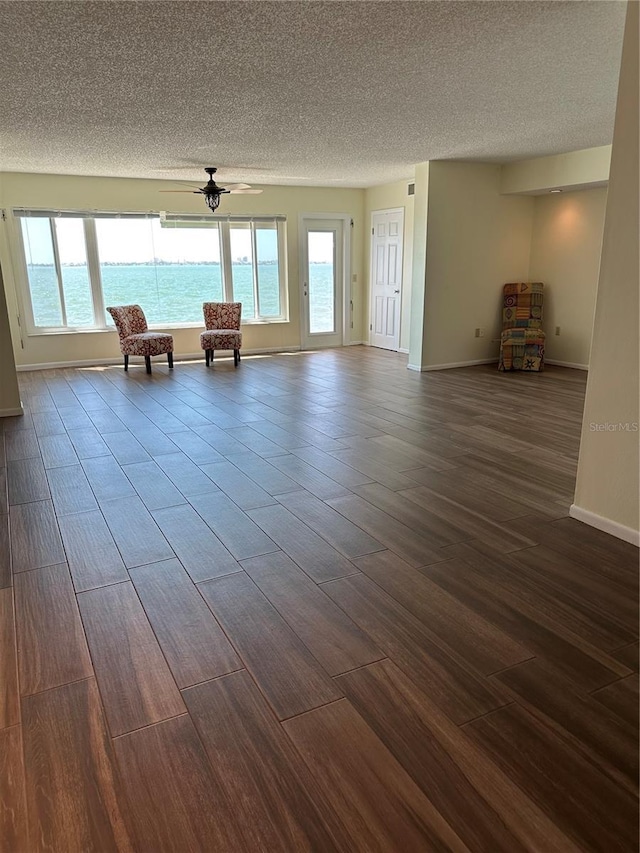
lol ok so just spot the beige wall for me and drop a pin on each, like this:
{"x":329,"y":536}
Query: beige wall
{"x":607,"y":484}
{"x":565,"y":255}
{"x":477,"y":239}
{"x":90,"y":193}
{"x":9,"y":394}
{"x":574,"y":169}
{"x":386,"y":197}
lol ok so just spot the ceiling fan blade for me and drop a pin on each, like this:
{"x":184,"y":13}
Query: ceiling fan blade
{"x":178,"y":191}
{"x":246,"y":192}
{"x":232,"y":187}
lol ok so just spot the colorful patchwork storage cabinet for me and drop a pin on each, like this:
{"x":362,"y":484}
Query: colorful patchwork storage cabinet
{"x":522,"y":338}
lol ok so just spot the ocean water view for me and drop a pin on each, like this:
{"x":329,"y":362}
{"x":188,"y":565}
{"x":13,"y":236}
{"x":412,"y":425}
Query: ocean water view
{"x":168,"y":293}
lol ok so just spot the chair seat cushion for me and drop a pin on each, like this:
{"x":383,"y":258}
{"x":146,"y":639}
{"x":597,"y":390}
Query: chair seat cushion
{"x":523,"y":336}
{"x":221,"y":339}
{"x":147,"y":343}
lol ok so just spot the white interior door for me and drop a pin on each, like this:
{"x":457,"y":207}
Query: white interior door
{"x":322,"y":283}
{"x":387,"y":235}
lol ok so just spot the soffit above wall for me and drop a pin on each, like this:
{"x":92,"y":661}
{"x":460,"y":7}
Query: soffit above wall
{"x":318,"y":93}
{"x":576,"y":170}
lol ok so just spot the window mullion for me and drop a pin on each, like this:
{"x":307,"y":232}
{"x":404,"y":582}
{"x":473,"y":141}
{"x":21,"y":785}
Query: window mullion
{"x":95,"y":276}
{"x":254,"y":252}
{"x":282,"y":269}
{"x":56,"y":261}
{"x":227,"y":269}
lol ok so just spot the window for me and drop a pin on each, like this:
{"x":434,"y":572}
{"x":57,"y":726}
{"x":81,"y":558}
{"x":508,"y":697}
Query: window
{"x":57,"y":270}
{"x":322,"y":291}
{"x":169,"y":271}
{"x":169,"y":266}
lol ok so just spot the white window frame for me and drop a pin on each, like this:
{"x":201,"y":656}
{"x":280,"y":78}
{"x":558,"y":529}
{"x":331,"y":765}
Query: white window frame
{"x":94,"y":269}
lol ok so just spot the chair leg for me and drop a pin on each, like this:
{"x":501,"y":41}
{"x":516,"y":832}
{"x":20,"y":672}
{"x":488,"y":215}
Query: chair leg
{"x":126,"y":362}
{"x":147,"y":361}
{"x":206,"y":357}
{"x":170,"y":360}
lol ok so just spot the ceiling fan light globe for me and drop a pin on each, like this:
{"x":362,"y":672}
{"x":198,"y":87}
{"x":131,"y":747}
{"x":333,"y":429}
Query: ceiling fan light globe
{"x":212,"y":200}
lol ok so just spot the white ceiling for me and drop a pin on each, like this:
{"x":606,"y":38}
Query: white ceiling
{"x":318,"y":93}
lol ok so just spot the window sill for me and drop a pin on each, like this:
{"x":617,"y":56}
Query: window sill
{"x":165,"y":328}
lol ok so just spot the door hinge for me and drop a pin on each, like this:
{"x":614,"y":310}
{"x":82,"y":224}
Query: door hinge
{"x":373,"y":231}
{"x":4,"y":215}
{"x":371,"y":327}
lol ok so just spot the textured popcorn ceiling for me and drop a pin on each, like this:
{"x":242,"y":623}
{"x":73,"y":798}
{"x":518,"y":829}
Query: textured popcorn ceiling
{"x":338,"y":94}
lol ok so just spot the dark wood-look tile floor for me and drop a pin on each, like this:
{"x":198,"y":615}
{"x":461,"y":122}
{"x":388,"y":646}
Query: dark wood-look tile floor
{"x":315,"y":603}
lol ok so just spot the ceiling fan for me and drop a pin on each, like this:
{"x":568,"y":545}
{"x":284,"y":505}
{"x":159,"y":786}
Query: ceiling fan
{"x":212,"y":192}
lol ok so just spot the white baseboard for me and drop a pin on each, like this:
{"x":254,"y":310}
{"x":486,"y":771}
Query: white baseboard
{"x":566,"y":364}
{"x":11,"y":413}
{"x":620,"y":531}
{"x":52,"y":365}
{"x":358,"y":344}
{"x":427,"y":367}
{"x":403,"y":350}
{"x":185,"y":356}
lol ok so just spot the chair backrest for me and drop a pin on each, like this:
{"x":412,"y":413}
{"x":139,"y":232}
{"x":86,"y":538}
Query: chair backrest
{"x":129,"y":320}
{"x":522,"y":305}
{"x":222,"y":315}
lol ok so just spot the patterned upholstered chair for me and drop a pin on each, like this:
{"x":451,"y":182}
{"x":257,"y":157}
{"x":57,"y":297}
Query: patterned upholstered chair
{"x":135,"y":337}
{"x":222,"y":320}
{"x":522,"y":338}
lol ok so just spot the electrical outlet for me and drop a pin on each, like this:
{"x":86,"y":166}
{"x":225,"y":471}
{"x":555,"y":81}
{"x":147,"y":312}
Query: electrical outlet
{"x":480,"y":332}
{"x":557,"y":330}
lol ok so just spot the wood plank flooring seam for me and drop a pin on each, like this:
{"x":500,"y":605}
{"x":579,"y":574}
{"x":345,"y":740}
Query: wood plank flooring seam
{"x":609,"y":684}
{"x":311,"y":710}
{"x":623,"y":646}
{"x":330,"y":580}
{"x":507,"y":704}
{"x":215,"y":678}
{"x":150,"y":725}
{"x":57,"y":686}
{"x":507,"y":668}
{"x":362,"y":666}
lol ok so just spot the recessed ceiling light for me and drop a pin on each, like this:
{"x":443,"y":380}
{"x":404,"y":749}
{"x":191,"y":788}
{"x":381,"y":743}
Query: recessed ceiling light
{"x":555,"y":191}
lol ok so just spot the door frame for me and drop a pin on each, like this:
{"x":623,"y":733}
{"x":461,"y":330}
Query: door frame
{"x":403,"y":211}
{"x":347,"y":305}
